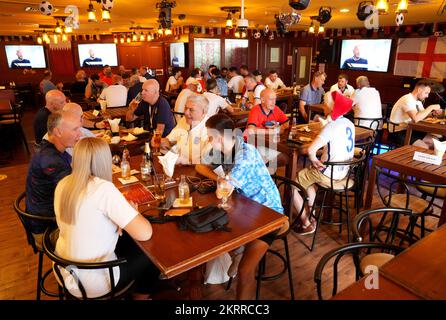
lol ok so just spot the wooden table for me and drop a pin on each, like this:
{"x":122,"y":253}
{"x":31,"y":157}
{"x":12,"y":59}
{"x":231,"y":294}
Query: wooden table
{"x":118,"y":112}
{"x":388,"y":290}
{"x":424,"y":126}
{"x":401,"y":160}
{"x":287,"y":95}
{"x":174,"y":251}
{"x":421,"y":267}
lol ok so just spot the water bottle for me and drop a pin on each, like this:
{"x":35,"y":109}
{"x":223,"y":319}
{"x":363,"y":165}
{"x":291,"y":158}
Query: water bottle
{"x":183,"y":190}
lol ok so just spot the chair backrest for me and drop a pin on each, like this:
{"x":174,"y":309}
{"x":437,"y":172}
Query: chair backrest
{"x":355,"y":169}
{"x":72,"y":266}
{"x":388,"y":184}
{"x":8,"y":94}
{"x":26,"y":217}
{"x":369,"y":123}
{"x":5,"y":106}
{"x":356,"y":251}
{"x":385,"y":225}
{"x":287,"y":189}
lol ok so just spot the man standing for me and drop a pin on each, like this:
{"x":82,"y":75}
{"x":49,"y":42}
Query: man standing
{"x":355,"y":62}
{"x":366,"y":104}
{"x":410,"y":108}
{"x":190,"y":135}
{"x":311,"y":94}
{"x":49,"y":165}
{"x":342,"y":86}
{"x":55,"y":101}
{"x":273,"y":81}
{"x":154,"y":108}
{"x":337,"y":139}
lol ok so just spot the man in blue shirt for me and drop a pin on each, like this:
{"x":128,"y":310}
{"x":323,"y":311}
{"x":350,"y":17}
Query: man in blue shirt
{"x":92,"y":61}
{"x":311,"y":94}
{"x":249,"y":176}
{"x":20,"y":62}
{"x":221,"y":83}
{"x":355,"y":62}
{"x":50,"y":164}
{"x":155,"y":109}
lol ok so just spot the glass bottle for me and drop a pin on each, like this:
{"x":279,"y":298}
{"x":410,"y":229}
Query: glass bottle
{"x":125,"y":163}
{"x":183,"y":190}
{"x":146,"y":166}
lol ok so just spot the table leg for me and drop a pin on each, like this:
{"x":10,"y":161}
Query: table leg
{"x":408,"y":135}
{"x":371,"y":186}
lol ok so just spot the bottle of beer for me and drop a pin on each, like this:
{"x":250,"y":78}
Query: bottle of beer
{"x":125,"y":163}
{"x":146,"y":165}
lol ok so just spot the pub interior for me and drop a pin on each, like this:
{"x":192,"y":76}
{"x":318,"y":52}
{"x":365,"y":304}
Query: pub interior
{"x":226,"y":150}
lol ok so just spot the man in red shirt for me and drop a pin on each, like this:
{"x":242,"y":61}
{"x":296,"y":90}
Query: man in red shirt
{"x":106,"y":75}
{"x":267,"y":118}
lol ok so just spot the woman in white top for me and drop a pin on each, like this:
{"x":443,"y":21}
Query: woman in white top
{"x":175,"y":81}
{"x":91,"y":213}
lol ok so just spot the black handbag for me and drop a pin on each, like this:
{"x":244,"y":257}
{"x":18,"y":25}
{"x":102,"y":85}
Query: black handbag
{"x":205,"y":219}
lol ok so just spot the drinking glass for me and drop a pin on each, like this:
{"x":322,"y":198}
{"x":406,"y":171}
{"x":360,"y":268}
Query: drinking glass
{"x":160,"y":187}
{"x":156,"y":143}
{"x":223,"y":191}
{"x":138,"y":97}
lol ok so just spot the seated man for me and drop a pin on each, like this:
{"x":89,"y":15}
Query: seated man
{"x":266,"y":118}
{"x":49,"y":165}
{"x":55,"y":100}
{"x":46,"y":84}
{"x":106,"y":75}
{"x":77,"y":111}
{"x":236,"y":82}
{"x":116,"y":94}
{"x":251,"y":96}
{"x":94,"y":87}
{"x":135,"y":88}
{"x":366,"y":104}
{"x":273,"y":81}
{"x":174,"y":82}
{"x":221,"y":83}
{"x":195,"y":74}
{"x":154,"y":108}
{"x":180,"y":102}
{"x":342,"y":86}
{"x":410,"y":108}
{"x":311,"y":94}
{"x":248,"y":175}
{"x":216,"y":102}
{"x":337,"y":139}
{"x":189,"y":136}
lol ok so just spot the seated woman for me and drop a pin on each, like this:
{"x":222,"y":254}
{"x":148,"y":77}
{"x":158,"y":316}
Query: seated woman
{"x":249,"y":176}
{"x":91,"y":213}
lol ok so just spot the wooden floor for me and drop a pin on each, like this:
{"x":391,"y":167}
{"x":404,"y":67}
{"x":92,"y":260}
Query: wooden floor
{"x":18,"y":264}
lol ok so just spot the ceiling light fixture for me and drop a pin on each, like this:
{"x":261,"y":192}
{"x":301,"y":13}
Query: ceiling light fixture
{"x":134,"y":37}
{"x":242,"y":23}
{"x":382,"y":6}
{"x":91,"y":13}
{"x":58,"y":29}
{"x":105,"y":15}
{"x":311,"y":29}
{"x":115,"y":39}
{"x":39,"y":40}
{"x":142,"y":37}
{"x":64,"y":37}
{"x":321,"y":29}
{"x":229,"y":24}
{"x":168,"y":32}
{"x":128,"y":39}
{"x":68,"y":29}
{"x":402,"y":6}
{"x":344,"y":10}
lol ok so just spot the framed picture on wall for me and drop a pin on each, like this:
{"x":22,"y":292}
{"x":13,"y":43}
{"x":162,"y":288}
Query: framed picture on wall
{"x":274,"y":55}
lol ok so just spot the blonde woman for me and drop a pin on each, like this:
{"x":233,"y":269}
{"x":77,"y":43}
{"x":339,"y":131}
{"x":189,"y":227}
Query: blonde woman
{"x":91,"y":212}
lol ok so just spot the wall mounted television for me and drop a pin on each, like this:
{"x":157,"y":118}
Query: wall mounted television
{"x":97,"y":55}
{"x":178,"y":52}
{"x":365,"y":54}
{"x":25,"y":56}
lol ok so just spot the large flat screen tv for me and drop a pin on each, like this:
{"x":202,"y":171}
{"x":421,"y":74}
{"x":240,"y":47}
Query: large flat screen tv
{"x":178,"y":54}
{"x":366,"y":55}
{"x":97,"y":55}
{"x":25,"y":56}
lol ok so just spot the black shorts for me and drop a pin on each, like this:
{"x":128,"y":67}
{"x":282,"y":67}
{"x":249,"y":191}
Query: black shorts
{"x":269,"y":237}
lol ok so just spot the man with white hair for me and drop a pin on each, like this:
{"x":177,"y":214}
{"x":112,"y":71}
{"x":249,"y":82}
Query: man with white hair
{"x":366,"y":104}
{"x":190,"y":135}
{"x":55,"y":100}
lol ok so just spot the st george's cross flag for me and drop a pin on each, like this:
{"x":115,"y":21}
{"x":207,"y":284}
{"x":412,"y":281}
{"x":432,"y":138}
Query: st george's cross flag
{"x":421,"y":57}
